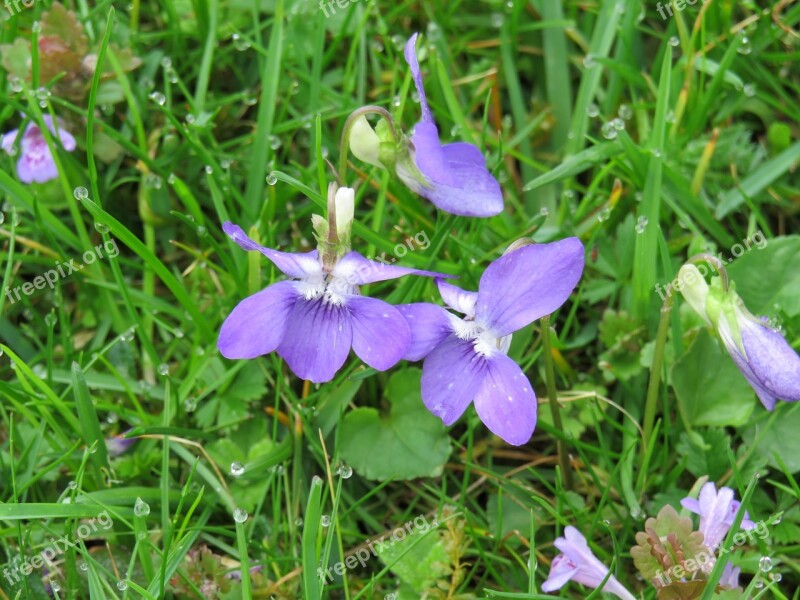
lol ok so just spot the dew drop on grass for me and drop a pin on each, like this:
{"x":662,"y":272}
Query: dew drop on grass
{"x":163,"y":369}
{"x":15,"y":84}
{"x":158,"y":98}
{"x":345,"y":471}
{"x":122,"y":585}
{"x":390,"y":596}
{"x":625,"y":112}
{"x":758,"y":584}
{"x":674,"y":41}
{"x":166,"y":62}
{"x":83,"y":566}
{"x":237,"y":469}
{"x":272,"y":179}
{"x":240,"y":515}
{"x":325,"y":520}
{"x":298,"y":522}
{"x":544,"y":211}
{"x":641,"y":223}
{"x":274,"y":142}
{"x":749,"y":90}
{"x":745,"y":47}
{"x":608,"y":131}
{"x":604,"y":214}
{"x":765,"y":564}
{"x":618,"y":124}
{"x":592,"y":110}
{"x":101,"y":228}
{"x":589,"y":61}
{"x":54,"y":585}
{"x":776,"y":577}
{"x":80,"y":193}
{"x":73,"y":485}
{"x":141,"y":508}
{"x":208,"y":169}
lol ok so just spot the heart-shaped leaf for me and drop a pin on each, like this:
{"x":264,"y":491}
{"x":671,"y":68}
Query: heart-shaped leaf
{"x":407,"y":443}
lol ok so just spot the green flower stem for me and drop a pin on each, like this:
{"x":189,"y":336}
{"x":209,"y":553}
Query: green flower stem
{"x":655,"y":372}
{"x":716,"y":263}
{"x":344,"y":144}
{"x":550,"y":373}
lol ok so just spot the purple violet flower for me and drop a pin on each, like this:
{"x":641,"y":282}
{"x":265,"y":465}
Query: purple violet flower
{"x":730,"y":576}
{"x":765,"y":358}
{"x":577,"y":562}
{"x":454,"y":176}
{"x":465,"y":358}
{"x":36,"y":162}
{"x":119,"y":444}
{"x":717,"y":511}
{"x":313,"y":320}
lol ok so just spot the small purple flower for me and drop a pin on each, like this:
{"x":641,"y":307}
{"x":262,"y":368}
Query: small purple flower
{"x":36,"y":162}
{"x":119,"y":444}
{"x":313,"y":320}
{"x":465,"y":358}
{"x":577,"y":562}
{"x":454,"y":176}
{"x":717,"y":511}
{"x":730,"y":576}
{"x":762,"y":354}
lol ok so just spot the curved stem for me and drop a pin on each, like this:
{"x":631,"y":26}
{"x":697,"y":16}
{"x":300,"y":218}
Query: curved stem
{"x":655,"y":372}
{"x":715,"y":262}
{"x":344,"y":144}
{"x":550,"y":374}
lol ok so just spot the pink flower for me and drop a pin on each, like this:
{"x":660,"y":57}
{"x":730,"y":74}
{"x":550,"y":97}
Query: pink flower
{"x":36,"y":162}
{"x":717,"y":510}
{"x":577,"y":562}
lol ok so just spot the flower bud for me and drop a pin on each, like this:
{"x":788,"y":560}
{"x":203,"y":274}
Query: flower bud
{"x":364,"y":142}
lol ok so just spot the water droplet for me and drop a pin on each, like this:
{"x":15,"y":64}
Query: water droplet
{"x":274,"y":142}
{"x":592,"y":110}
{"x":2,"y":218}
{"x":638,"y":196}
{"x":776,"y":577}
{"x":589,"y":61}
{"x":83,"y":566}
{"x":298,"y":521}
{"x":240,"y":515}
{"x":569,"y":194}
{"x":190,"y":119}
{"x":396,"y":101}
{"x":122,"y":585}
{"x":376,"y":46}
{"x":544,"y":211}
{"x":670,"y":116}
{"x":765,"y":564}
{"x":36,"y":27}
{"x":345,"y":471}
{"x":240,"y":43}
{"x":190,"y":404}
{"x":54,"y":585}
{"x":656,"y":152}
{"x":158,"y":98}
{"x":608,"y":131}
{"x":141,"y":536}
{"x":128,"y":335}
{"x":152,"y":181}
{"x":73,"y":485}
{"x":758,"y":584}
{"x":101,"y":228}
{"x":775,"y":521}
{"x":325,"y":520}
{"x":674,"y":41}
{"x":641,"y":223}
{"x":604,"y":214}
{"x":745,"y":47}
{"x":80,"y":193}
{"x":618,"y":124}
{"x":208,"y":169}
{"x":15,"y":83}
{"x":163,"y":369}
{"x":749,"y":90}
{"x":272,"y":179}
{"x":141,"y":508}
{"x":625,"y":112}
{"x":237,"y":469}
{"x":172,"y":179}
{"x":390,"y":596}
{"x":497,"y":20}
{"x":12,"y":151}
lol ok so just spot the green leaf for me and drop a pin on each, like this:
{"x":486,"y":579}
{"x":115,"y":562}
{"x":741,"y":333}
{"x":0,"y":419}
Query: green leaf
{"x":780,"y":439}
{"x":407,"y":443}
{"x":58,"y":22}
{"x":767,"y":275}
{"x":700,"y":450}
{"x":710,"y":387}
{"x":16,"y":57}
{"x":419,"y":563}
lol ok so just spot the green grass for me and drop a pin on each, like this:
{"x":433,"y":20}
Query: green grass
{"x":708,"y":155}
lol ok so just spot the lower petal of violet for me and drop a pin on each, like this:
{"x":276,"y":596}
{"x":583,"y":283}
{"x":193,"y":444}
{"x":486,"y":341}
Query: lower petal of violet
{"x":257,"y":325}
{"x":380,"y":333}
{"x":506,"y":402}
{"x":318,"y":338}
{"x":451,"y":376}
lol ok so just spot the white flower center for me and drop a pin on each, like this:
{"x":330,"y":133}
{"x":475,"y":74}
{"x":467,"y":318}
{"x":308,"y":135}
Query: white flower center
{"x":333,"y":289}
{"x":484,"y":341}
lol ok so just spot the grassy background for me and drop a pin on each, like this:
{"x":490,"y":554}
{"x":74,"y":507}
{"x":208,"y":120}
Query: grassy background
{"x":231,"y":115}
